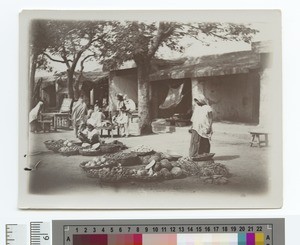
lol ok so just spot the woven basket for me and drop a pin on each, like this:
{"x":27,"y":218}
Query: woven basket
{"x":143,"y":153}
{"x":69,"y":153}
{"x":49,"y":146}
{"x":109,"y":148}
{"x":86,"y":168}
{"x":90,"y":153}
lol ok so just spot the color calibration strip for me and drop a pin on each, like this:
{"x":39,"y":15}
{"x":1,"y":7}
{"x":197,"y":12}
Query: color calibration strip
{"x":170,"y":239}
{"x":169,"y":232}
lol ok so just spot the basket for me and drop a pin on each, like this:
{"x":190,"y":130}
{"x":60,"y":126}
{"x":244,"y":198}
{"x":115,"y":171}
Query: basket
{"x":143,"y":153}
{"x":148,"y":178}
{"x":50,"y":145}
{"x":83,"y":152}
{"x":69,"y":153}
{"x":131,"y":161}
{"x":109,"y":148}
{"x":92,"y":173}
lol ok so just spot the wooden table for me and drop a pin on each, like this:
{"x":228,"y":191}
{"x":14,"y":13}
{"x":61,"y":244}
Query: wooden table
{"x":256,"y":138}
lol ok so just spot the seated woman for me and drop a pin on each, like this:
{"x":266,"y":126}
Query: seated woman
{"x":97,"y":116}
{"x":88,"y":133}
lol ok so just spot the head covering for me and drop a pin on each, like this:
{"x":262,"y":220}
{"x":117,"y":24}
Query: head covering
{"x":201,"y":98}
{"x":33,"y":115}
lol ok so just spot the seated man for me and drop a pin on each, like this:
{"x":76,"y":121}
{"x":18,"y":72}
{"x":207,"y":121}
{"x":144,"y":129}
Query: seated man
{"x":89,"y":134}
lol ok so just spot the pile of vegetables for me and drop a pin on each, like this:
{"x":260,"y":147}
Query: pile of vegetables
{"x":142,"y":150}
{"x":124,"y":158}
{"x":69,"y":150}
{"x":62,"y":146}
{"x":156,"y":166}
{"x":210,"y":172}
{"x":54,"y":145}
{"x":162,"y":168}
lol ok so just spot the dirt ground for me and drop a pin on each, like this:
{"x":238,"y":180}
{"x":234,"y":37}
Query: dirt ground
{"x":57,"y":174}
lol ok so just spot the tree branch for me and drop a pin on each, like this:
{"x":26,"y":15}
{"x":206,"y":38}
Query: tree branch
{"x":85,"y":47}
{"x":83,"y":60}
{"x":55,"y":60}
{"x":161,"y":35}
{"x":64,"y":56}
{"x":218,"y":36}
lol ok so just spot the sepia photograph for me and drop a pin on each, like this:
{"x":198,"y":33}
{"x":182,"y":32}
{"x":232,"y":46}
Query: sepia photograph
{"x":150,"y":109}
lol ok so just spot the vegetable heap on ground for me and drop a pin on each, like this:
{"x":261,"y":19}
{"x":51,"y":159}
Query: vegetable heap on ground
{"x":154,"y":166}
{"x":66,"y":147}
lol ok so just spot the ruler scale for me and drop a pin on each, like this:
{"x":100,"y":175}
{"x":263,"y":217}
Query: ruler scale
{"x":40,"y":233}
{"x":16,"y":234}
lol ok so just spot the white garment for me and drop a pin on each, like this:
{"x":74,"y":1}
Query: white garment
{"x":130,"y":105}
{"x":34,"y":113}
{"x":96,"y":118}
{"x":78,"y":112}
{"x":202,"y":121}
{"x":90,"y":134}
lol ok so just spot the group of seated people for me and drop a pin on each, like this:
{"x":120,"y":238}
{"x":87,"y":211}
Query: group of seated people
{"x":88,"y":130}
{"x":96,"y":120}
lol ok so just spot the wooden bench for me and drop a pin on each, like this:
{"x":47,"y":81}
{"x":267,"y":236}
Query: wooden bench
{"x":60,"y":119}
{"x":256,"y":138}
{"x":109,"y":130}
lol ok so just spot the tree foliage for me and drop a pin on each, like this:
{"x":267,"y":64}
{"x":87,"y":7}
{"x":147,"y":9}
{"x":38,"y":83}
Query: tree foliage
{"x":75,"y":43}
{"x":140,"y":40}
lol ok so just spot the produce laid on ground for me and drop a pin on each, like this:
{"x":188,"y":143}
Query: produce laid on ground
{"x":65,"y":147}
{"x":125,"y":158}
{"x":54,"y":145}
{"x":154,"y":166}
{"x":101,"y":148}
{"x":113,"y":165}
{"x":115,"y":174}
{"x":209,"y":171}
{"x":68,"y":148}
{"x":142,"y":150}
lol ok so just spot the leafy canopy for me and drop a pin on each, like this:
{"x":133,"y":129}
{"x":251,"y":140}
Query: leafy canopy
{"x":140,"y":41}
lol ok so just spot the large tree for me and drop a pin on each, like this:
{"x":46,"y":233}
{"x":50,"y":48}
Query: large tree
{"x":141,"y":41}
{"x":73,"y":44}
{"x":40,"y":40}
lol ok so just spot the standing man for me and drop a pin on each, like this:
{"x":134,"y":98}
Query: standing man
{"x":79,"y":112}
{"x":122,"y":118}
{"x":201,"y":127}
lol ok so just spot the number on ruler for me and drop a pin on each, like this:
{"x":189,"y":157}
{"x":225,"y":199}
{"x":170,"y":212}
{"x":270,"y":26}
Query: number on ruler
{"x":39,"y":233}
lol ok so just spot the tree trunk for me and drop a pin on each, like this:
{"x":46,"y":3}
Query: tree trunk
{"x":143,"y":70}
{"x":76,"y":88}
{"x":32,"y":79}
{"x":70,"y":84}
